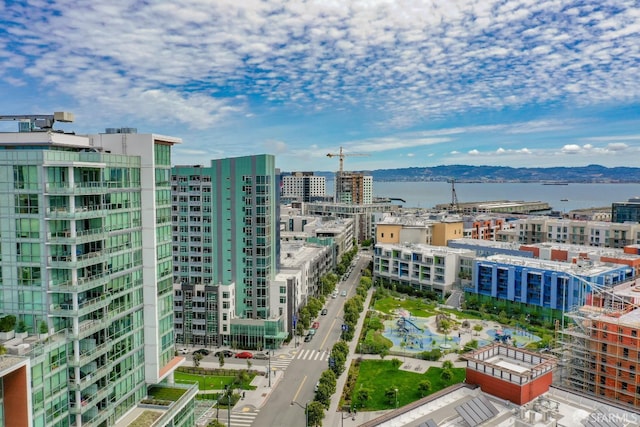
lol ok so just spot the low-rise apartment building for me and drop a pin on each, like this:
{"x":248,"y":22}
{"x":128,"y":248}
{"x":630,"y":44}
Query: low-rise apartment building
{"x":422,"y":267}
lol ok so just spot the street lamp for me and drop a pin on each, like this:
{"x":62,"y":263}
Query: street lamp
{"x":396,"y":390}
{"x":306,"y":411}
{"x":269,"y":372}
{"x":349,"y":414}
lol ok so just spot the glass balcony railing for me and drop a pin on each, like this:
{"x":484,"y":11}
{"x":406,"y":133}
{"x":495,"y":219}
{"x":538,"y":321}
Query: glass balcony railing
{"x":88,"y":355}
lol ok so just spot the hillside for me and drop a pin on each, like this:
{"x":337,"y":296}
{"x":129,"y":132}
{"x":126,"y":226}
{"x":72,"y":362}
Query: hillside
{"x":462,"y":173}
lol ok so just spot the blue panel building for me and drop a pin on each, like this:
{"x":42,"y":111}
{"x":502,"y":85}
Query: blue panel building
{"x":548,"y":284}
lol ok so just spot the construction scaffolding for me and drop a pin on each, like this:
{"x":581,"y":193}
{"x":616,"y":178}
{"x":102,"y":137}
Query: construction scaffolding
{"x":599,"y":351}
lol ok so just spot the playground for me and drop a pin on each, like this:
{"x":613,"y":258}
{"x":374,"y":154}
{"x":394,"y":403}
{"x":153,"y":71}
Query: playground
{"x":411,"y":335}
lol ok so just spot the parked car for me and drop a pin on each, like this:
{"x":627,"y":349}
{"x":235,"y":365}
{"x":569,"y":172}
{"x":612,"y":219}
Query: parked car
{"x":308,"y":338}
{"x":323,"y":312}
{"x":311,"y":332}
{"x":316,"y":387}
{"x":225,"y":353}
{"x":315,"y":325}
{"x":183,"y":351}
{"x":261,"y":356}
{"x":244,"y":355}
{"x":202,"y":351}
{"x":343,"y":293}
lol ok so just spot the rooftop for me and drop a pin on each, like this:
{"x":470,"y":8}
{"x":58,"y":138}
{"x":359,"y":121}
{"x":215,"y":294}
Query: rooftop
{"x":556,"y":407}
{"x":587,"y":270}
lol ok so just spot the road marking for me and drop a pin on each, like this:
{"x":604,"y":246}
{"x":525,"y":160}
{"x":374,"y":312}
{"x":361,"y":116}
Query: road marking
{"x":295,"y":397}
{"x":326,"y":337}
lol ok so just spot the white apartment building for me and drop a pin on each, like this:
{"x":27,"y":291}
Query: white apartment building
{"x":303,"y":187}
{"x":591,"y":233}
{"x":423,"y":267}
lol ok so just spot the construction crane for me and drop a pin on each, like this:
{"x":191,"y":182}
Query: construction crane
{"x":342,"y":155}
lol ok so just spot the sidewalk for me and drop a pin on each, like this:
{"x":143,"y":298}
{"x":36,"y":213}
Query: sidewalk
{"x":334,"y":416}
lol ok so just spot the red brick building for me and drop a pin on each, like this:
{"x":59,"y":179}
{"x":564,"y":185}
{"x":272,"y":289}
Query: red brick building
{"x":510,"y":373}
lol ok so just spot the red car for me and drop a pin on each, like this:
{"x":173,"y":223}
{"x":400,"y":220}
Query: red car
{"x":244,"y":355}
{"x":315,"y":325}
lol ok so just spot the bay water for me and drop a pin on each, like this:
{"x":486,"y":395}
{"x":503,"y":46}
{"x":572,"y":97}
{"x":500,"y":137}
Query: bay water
{"x":562,"y":198}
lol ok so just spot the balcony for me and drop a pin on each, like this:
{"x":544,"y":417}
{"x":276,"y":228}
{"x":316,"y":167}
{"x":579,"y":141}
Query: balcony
{"x":57,"y":212}
{"x":90,"y":235}
{"x":83,"y":283}
{"x":67,"y":310}
{"x":90,"y":211}
{"x":89,"y":355}
{"x":89,"y":378}
{"x":81,"y":261}
{"x":89,"y":401}
{"x":88,"y":327}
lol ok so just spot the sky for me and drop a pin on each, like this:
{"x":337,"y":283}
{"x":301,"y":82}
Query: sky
{"x":401,"y":83}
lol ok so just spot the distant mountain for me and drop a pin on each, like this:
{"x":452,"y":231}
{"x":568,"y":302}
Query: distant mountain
{"x":462,"y":173}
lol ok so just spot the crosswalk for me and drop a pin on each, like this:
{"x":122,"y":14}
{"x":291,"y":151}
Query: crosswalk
{"x":282,"y":361}
{"x":242,"y":418}
{"x":319,"y":355}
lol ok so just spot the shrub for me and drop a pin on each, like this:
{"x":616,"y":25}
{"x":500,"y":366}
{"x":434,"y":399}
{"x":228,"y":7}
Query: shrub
{"x":7,"y":323}
{"x":431,"y":355}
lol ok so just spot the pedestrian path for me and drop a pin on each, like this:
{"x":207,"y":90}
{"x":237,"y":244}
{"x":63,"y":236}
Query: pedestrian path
{"x":311,"y":355}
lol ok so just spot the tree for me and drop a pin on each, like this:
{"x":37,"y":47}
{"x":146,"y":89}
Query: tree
{"x":424,"y":387}
{"x":478,"y":328}
{"x":362,"y":396}
{"x":445,"y":327}
{"x":22,"y":327}
{"x":249,"y":364}
{"x":391,"y":394}
{"x":323,"y":394}
{"x":471,"y":345}
{"x":446,"y":375}
{"x":341,"y":347}
{"x":221,"y":359}
{"x":447,"y":364}
{"x":315,"y":413}
{"x":196,"y":359}
{"x":300,"y":329}
{"x":328,"y":377}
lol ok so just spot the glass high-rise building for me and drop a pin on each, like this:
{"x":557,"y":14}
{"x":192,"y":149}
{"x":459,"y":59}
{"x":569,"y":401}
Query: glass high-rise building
{"x":85,"y":241}
{"x":226,"y":248}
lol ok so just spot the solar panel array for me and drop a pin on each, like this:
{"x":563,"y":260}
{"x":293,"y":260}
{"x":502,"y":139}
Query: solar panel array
{"x":476,"y":411}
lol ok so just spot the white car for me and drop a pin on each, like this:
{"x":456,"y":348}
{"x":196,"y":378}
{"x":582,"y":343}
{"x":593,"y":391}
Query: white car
{"x":183,"y":351}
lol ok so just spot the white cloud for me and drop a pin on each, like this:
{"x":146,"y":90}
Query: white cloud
{"x":617,"y":146}
{"x":571,"y":149}
{"x":387,"y":66}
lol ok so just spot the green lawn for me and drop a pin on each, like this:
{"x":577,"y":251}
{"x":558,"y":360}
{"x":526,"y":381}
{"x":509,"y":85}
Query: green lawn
{"x":211,"y":382}
{"x":379,"y":375}
{"x":166,"y":393}
{"x":415,"y":306}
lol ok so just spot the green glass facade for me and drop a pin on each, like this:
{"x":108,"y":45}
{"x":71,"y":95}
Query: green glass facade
{"x":225,"y":233}
{"x":73,"y":264}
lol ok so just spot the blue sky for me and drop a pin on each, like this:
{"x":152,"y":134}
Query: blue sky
{"x":409,"y":83}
